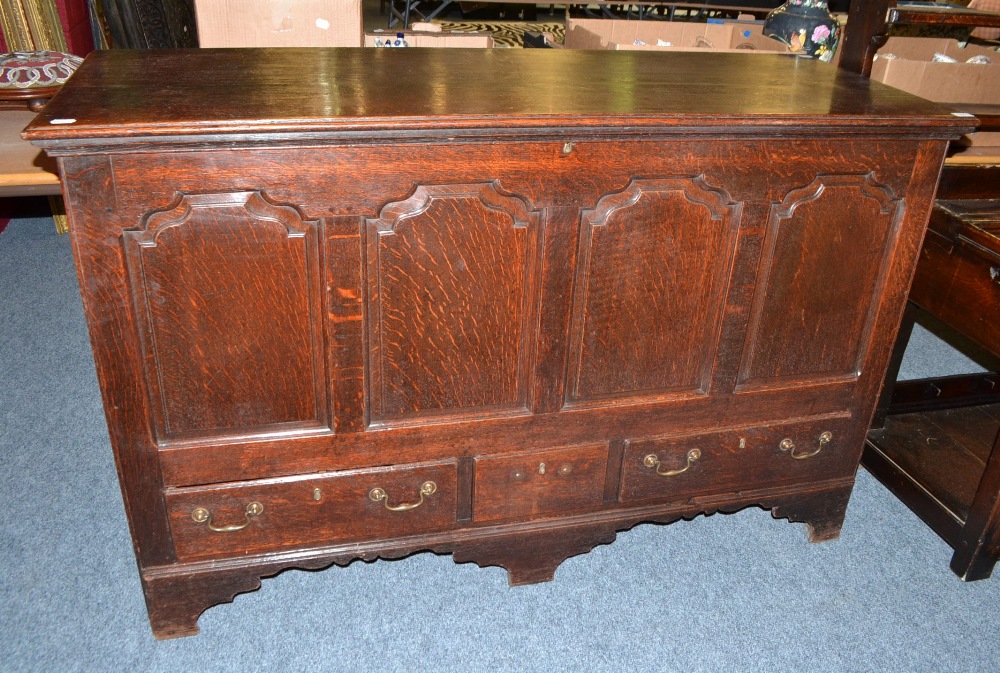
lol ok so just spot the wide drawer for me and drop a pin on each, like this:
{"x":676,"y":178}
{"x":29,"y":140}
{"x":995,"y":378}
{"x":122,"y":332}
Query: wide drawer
{"x":738,"y":459}
{"x":253,"y":517}
{"x":540,"y":483}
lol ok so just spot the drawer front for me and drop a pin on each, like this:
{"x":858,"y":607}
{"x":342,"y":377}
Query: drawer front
{"x":270,"y":515}
{"x":740,"y":459}
{"x":539,"y":483}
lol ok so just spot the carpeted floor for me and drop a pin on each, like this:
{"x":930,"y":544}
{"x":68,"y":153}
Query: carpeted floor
{"x":508,"y":34}
{"x":738,"y":593}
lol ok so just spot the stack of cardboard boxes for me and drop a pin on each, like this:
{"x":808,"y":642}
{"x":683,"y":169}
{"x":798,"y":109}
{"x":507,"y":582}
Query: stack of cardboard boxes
{"x":307,"y":23}
{"x":945,"y":71}
{"x":669,"y":36}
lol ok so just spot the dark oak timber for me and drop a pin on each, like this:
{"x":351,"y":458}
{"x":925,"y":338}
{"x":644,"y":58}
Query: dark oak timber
{"x":935,"y":443}
{"x":501,"y":304}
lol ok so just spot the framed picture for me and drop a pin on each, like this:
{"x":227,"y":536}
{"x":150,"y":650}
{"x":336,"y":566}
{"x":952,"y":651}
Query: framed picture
{"x":32,"y":25}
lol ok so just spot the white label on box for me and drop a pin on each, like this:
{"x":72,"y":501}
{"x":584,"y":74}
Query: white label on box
{"x":322,"y":24}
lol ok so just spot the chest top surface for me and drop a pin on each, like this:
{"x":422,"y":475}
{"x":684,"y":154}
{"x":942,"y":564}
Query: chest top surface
{"x":295,"y":92}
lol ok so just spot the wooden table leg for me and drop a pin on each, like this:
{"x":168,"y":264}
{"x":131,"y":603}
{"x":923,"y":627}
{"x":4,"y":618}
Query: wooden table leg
{"x":978,"y":550}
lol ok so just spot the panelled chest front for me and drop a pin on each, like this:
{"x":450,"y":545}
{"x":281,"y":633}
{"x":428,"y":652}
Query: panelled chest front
{"x":351,"y":303}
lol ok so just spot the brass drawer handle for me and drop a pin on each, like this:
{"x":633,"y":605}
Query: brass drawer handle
{"x":202,"y":515}
{"x":788,"y":445}
{"x":378,"y":494}
{"x":652,"y":460}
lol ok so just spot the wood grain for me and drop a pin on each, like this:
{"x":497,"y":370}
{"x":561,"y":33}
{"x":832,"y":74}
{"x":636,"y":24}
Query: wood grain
{"x":451,"y":288}
{"x":728,"y":459}
{"x":958,"y":278}
{"x":308,"y":274}
{"x":226,"y":288}
{"x":539,"y":483}
{"x":815,"y":303}
{"x":654,"y":269}
{"x":211,"y":91}
{"x":315,"y":510}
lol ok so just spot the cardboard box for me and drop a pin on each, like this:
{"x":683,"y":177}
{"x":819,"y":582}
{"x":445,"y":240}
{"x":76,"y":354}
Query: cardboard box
{"x":279,"y":23}
{"x":415,"y":38}
{"x":906,"y":63}
{"x":668,"y":36}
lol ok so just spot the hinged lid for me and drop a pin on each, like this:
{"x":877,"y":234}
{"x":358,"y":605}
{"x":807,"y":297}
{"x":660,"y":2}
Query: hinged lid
{"x":278,"y":96}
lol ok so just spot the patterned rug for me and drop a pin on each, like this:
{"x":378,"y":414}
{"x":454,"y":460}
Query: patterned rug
{"x":506,"y":34}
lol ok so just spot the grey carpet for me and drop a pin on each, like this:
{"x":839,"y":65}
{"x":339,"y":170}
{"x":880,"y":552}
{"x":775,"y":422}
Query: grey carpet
{"x":737,"y":592}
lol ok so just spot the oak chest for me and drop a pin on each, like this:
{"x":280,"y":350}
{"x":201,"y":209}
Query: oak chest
{"x":502,"y":304}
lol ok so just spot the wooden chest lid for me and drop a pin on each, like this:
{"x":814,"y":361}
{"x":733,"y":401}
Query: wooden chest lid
{"x":120,"y":94}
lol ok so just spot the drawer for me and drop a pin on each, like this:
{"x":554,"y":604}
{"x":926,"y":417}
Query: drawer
{"x":314,"y":510}
{"x":739,"y":459}
{"x":539,"y":483}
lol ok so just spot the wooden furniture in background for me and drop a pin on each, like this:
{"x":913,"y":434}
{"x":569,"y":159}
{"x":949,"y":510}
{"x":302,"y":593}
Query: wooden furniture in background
{"x":935,"y":443}
{"x":407,"y":302}
{"x":34,"y":26}
{"x":25,"y":170}
{"x":869,"y":22}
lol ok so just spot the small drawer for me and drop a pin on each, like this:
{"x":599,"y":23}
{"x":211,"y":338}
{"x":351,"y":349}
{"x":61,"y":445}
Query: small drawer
{"x":539,"y":483}
{"x":736,"y":460}
{"x":274,"y":514}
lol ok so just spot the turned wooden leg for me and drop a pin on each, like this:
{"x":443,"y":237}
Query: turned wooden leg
{"x":822,"y":513}
{"x":175,"y":601}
